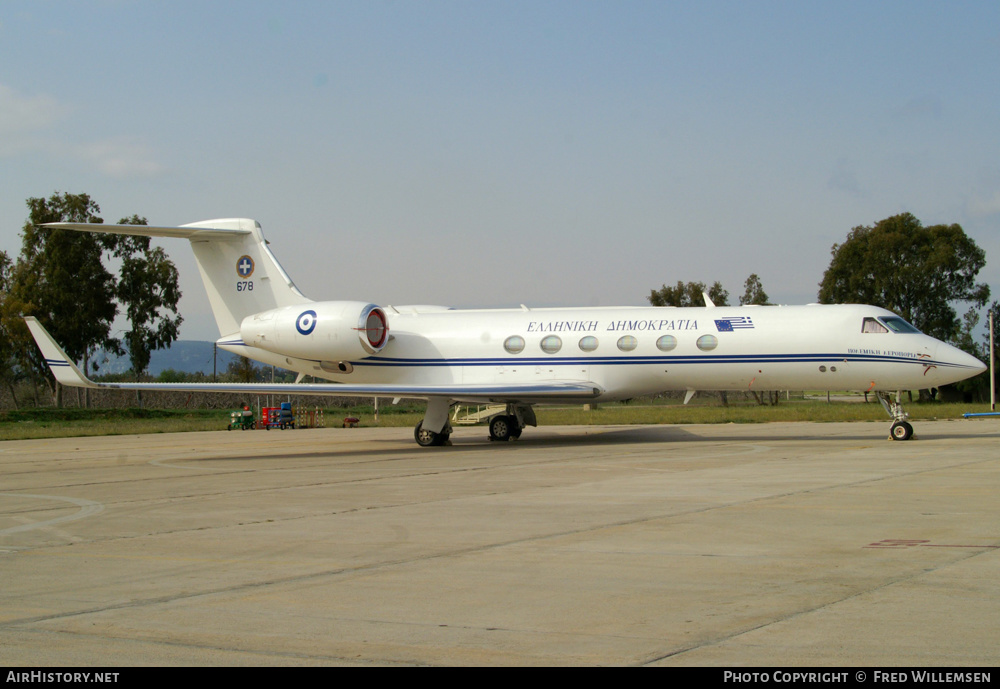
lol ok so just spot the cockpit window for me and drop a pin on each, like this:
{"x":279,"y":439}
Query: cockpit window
{"x":898,"y":325}
{"x":885,"y":324}
{"x":873,"y":326}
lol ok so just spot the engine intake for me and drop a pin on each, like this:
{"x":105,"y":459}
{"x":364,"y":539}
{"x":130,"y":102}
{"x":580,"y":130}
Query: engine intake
{"x":330,"y":330}
{"x":375,"y":328}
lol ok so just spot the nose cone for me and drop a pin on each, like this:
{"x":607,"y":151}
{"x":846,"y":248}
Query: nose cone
{"x":954,"y":365}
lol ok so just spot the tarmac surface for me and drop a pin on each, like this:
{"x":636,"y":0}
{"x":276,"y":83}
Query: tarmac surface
{"x":783,"y":544}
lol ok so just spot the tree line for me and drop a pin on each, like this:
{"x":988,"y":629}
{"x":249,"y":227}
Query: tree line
{"x":692,"y":294}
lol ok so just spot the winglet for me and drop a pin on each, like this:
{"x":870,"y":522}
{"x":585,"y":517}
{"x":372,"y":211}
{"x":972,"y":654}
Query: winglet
{"x":65,"y":371}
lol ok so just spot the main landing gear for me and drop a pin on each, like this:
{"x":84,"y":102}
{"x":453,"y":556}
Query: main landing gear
{"x":900,"y":428}
{"x":427,"y":438}
{"x":434,"y":430}
{"x":508,"y":426}
{"x":504,"y":427}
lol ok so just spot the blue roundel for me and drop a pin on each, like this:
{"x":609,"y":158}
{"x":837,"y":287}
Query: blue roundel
{"x":244,"y":267}
{"x":306,"y":322}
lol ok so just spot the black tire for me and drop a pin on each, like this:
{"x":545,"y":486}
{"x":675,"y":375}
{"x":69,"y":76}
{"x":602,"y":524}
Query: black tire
{"x":502,"y":428}
{"x":427,"y":438}
{"x":901,"y":430}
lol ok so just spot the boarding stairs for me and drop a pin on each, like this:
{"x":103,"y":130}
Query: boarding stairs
{"x":481,"y":413}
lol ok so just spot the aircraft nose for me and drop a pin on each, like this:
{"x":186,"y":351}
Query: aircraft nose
{"x":960,"y":365}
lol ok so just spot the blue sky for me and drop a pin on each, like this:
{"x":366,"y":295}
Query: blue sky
{"x":491,"y":154}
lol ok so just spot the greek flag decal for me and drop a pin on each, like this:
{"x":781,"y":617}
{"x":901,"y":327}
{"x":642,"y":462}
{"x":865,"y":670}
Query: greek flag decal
{"x":728,"y":325}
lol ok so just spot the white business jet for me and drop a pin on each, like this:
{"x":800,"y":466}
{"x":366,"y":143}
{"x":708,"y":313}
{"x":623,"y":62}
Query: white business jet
{"x":521,"y":357}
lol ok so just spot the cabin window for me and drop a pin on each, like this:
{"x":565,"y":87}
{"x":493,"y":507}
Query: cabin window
{"x":898,"y":325}
{"x":707,"y":343}
{"x":514,"y":344}
{"x":871,"y":325}
{"x":627,"y":343}
{"x":588,"y":343}
{"x":666,"y":343}
{"x":551,"y":344}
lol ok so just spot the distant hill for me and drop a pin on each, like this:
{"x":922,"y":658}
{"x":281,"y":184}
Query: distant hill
{"x":187,"y":356}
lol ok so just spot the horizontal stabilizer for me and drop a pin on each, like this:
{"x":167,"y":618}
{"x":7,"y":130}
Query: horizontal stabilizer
{"x":151,"y":231}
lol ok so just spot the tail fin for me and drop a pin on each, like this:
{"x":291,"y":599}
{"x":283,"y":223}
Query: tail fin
{"x":241,"y":275}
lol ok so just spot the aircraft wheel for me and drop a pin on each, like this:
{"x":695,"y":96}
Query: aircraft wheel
{"x":901,"y":430}
{"x":515,"y":431}
{"x":428,"y":438}
{"x":502,"y":428}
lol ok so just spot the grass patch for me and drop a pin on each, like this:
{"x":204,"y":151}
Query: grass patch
{"x":64,"y":423}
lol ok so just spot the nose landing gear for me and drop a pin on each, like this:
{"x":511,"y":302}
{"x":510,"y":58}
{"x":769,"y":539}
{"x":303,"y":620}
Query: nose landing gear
{"x":900,"y":428}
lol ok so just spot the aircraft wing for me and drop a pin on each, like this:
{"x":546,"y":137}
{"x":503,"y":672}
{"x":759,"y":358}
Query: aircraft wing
{"x":67,"y":373}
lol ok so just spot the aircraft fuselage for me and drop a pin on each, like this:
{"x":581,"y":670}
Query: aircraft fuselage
{"x":627,"y":352}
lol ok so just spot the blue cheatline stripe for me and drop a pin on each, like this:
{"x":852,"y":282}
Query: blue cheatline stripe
{"x":661,"y":360}
{"x":57,"y":362}
{"x":822,"y":358}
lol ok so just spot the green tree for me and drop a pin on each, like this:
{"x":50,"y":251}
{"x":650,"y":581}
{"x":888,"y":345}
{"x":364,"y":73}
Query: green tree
{"x":244,"y":370}
{"x":148,"y":290}
{"x":10,"y":314}
{"x":689,"y":294}
{"x":60,"y":277}
{"x":753,"y":292}
{"x":915,"y":271}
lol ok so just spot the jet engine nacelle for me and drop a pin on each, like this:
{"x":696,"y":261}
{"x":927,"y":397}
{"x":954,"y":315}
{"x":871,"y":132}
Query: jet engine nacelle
{"x":328,"y":330}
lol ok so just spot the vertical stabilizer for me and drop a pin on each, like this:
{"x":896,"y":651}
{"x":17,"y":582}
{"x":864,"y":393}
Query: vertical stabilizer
{"x":241,"y":275}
